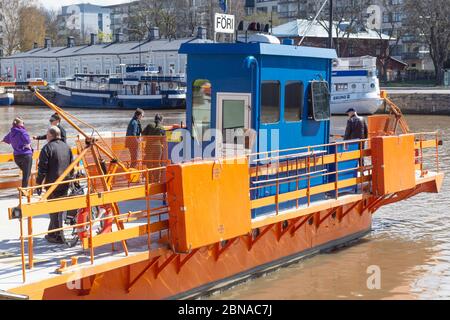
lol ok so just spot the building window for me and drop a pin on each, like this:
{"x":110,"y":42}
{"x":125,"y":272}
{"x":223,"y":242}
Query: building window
{"x":36,"y":73}
{"x":19,"y":74}
{"x":63,"y":72}
{"x":53,"y":73}
{"x":293,"y":100}
{"x":319,"y":107}
{"x":107,"y":71}
{"x":201,"y":108}
{"x":118,"y":69}
{"x":28,"y":74}
{"x":45,"y":74}
{"x":85,"y":70}
{"x":270,"y":101}
{"x":75,"y":70}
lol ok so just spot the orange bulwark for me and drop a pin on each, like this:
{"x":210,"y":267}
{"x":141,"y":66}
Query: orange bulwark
{"x":181,"y":230}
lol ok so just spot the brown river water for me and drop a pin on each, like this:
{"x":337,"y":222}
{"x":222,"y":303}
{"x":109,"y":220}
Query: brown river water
{"x":410,"y":241}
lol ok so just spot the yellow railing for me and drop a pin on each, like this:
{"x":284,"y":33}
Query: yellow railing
{"x":30,"y":208}
{"x":278,"y":162}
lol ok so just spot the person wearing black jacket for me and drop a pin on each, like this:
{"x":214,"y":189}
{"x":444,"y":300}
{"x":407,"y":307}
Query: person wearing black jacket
{"x":356,"y":126}
{"x":55,"y":120}
{"x":54,"y":159}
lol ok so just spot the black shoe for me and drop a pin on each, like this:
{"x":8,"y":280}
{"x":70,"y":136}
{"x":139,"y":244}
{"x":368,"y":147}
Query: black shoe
{"x":53,"y":239}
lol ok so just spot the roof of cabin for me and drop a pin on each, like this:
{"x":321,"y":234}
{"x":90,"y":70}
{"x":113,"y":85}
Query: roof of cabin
{"x":297,"y":28}
{"x":258,"y":49}
{"x":107,"y":48}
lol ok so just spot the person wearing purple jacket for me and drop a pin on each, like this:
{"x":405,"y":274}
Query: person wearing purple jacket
{"x":19,"y":139}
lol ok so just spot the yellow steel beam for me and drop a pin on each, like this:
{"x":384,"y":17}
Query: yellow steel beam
{"x":9,"y":157}
{"x":40,"y":208}
{"x":293,"y":195}
{"x":125,"y":234}
{"x":320,"y":160}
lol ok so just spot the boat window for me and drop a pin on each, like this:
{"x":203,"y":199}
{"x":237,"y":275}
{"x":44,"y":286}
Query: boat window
{"x":293,"y":100}
{"x":353,"y":86}
{"x":201,"y":108}
{"x":319,"y":107}
{"x":270,"y":101}
{"x":341,"y":86}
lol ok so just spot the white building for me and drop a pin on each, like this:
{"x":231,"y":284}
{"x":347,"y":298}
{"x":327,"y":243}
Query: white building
{"x":84,"y":19}
{"x":261,"y":6}
{"x":51,"y":63}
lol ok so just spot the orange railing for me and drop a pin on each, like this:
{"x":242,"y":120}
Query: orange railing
{"x":313,"y":160}
{"x":144,"y":189}
{"x":313,"y":163}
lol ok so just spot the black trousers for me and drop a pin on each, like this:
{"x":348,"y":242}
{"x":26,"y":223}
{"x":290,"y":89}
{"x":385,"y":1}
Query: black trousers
{"x":25,"y":163}
{"x":56,"y":218}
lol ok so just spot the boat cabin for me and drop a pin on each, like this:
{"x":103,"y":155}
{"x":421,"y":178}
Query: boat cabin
{"x":277,"y":95}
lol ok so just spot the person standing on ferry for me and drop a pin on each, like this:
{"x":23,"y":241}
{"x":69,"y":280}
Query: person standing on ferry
{"x":20,"y":140}
{"x":55,"y":120}
{"x":134,"y":131}
{"x":356,"y":126}
{"x":54,"y":159}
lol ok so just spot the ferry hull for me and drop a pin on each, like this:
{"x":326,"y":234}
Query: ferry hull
{"x":94,"y":102}
{"x":204,"y":271}
{"x":6,"y":99}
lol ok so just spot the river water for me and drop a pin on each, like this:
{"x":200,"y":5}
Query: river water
{"x":410,"y":241}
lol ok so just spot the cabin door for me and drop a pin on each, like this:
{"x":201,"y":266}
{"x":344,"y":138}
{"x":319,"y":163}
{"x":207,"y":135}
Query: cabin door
{"x":233,"y":122}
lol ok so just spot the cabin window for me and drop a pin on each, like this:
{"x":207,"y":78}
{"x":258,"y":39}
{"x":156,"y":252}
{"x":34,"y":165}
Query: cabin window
{"x":270,"y":101}
{"x":201,"y":108}
{"x":293,"y":100}
{"x":319,"y":107}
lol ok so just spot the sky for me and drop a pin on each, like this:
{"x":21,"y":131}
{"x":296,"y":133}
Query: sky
{"x":57,"y":4}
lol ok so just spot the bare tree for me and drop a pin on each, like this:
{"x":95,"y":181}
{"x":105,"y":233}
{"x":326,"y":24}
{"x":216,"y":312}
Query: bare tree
{"x":51,"y":25}
{"x":348,"y":17}
{"x":430,"y":20}
{"x":389,"y":36}
{"x":11,"y":24}
{"x":144,"y":15}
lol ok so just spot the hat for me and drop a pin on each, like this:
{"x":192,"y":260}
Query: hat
{"x":350,"y":110}
{"x":158,"y":117}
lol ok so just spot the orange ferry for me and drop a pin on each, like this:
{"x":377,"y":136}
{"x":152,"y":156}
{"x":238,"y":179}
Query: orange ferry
{"x":251,"y":184}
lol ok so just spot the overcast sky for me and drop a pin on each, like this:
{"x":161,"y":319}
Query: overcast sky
{"x":57,"y":4}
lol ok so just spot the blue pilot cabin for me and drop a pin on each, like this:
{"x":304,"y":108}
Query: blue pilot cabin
{"x":272,"y":102}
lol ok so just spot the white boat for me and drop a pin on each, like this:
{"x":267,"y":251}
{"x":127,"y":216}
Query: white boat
{"x":355,"y":85}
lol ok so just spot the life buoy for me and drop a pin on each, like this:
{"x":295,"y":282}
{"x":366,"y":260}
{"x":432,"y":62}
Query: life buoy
{"x":171,"y":85}
{"x":104,"y":227}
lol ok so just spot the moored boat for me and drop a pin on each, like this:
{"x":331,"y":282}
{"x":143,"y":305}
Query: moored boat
{"x":354,"y":84}
{"x":138,"y":86}
{"x":6,"y":98}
